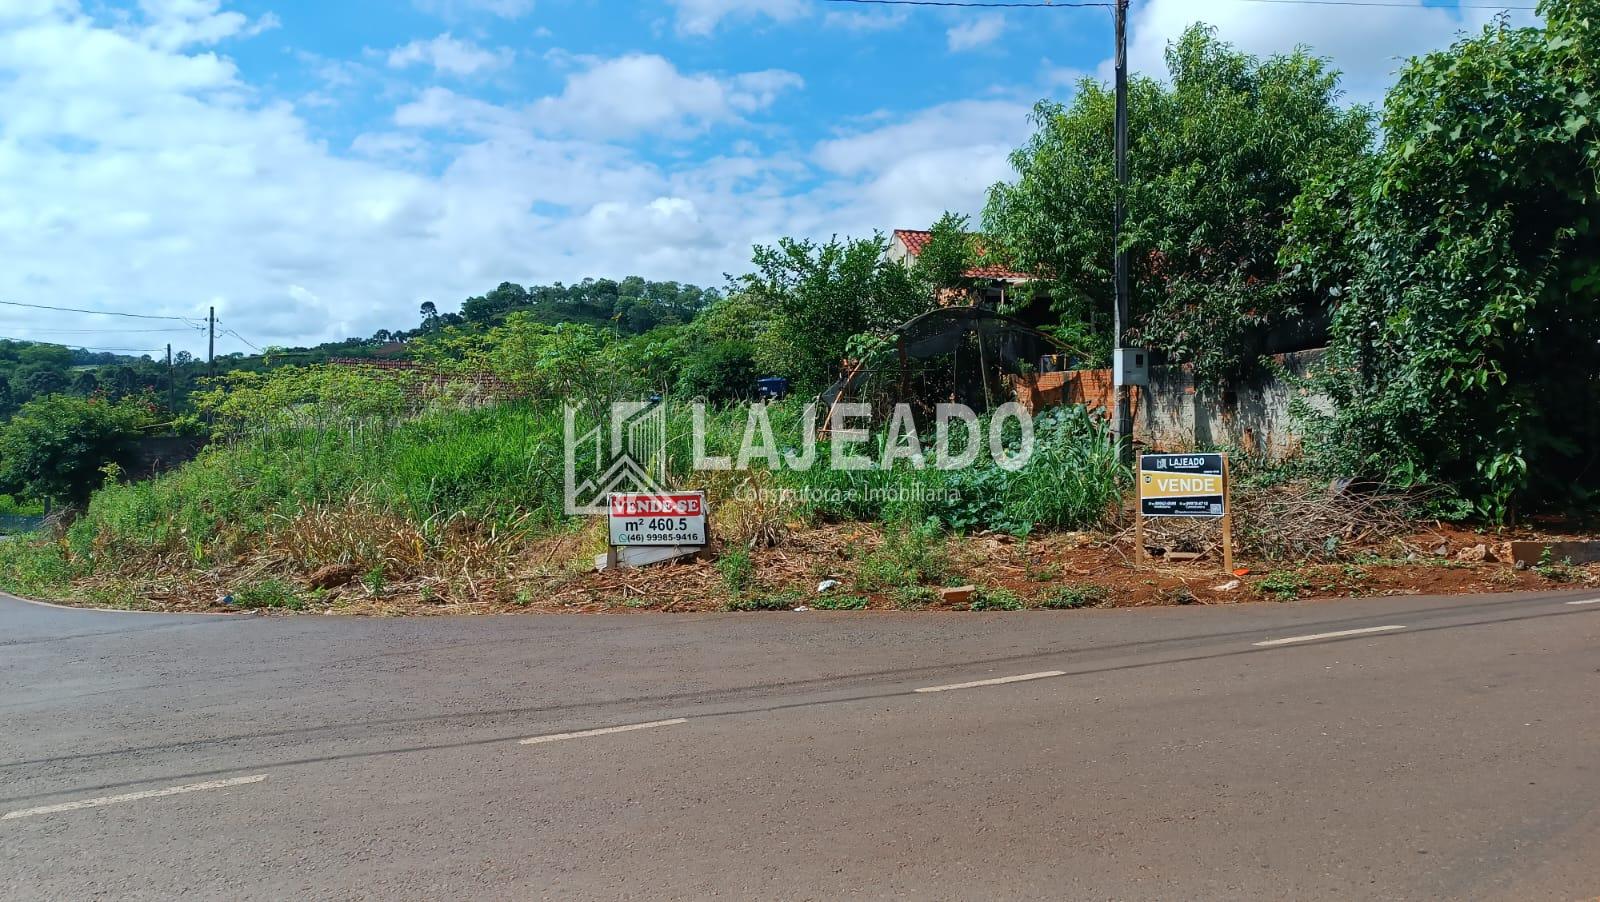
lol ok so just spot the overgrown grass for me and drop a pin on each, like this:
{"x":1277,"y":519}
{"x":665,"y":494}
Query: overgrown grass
{"x":453,"y":489}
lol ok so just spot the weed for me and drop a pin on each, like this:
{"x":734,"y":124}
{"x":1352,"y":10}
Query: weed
{"x":911,"y":554}
{"x":997,"y":599}
{"x":523,"y":598}
{"x":268,"y":593}
{"x":737,"y":571}
{"x":912,"y":598}
{"x":373,"y":579}
{"x":1283,"y":585}
{"x":1556,"y":572}
{"x":1069,"y":597}
{"x":840,"y":602}
{"x":1178,"y":595}
{"x":782,"y":601}
{"x":1049,"y":573}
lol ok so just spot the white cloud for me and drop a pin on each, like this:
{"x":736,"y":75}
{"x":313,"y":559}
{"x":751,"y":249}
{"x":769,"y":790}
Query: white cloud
{"x":976,"y":32}
{"x":1367,"y":44}
{"x":143,"y":176}
{"x":865,"y":21}
{"x":904,"y":174}
{"x":447,"y":54}
{"x":180,"y":23}
{"x":456,"y":9}
{"x":622,"y":97}
{"x":701,"y":17}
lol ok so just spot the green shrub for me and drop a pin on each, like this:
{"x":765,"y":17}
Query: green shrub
{"x":36,"y":568}
{"x":911,"y":554}
{"x":737,"y":570}
{"x":1284,"y":585}
{"x":782,"y":601}
{"x":1070,"y":597}
{"x":912,"y":598}
{"x":840,"y":602}
{"x":997,"y":599}
{"x":268,"y":593}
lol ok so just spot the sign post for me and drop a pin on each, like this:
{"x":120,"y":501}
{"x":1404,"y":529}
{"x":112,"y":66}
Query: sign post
{"x":649,"y":528}
{"x":1186,"y":485}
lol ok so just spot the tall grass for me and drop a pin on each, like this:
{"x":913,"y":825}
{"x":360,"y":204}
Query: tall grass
{"x":495,"y":465}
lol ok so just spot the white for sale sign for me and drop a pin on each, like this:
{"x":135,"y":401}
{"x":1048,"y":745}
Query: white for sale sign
{"x":658,"y":519}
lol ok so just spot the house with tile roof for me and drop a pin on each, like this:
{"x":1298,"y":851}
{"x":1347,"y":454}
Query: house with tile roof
{"x":994,"y":285}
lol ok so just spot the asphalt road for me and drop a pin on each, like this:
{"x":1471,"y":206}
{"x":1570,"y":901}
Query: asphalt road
{"x":1450,"y":751}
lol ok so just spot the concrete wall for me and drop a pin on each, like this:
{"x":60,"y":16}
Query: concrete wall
{"x":157,"y":454}
{"x":1173,"y":414}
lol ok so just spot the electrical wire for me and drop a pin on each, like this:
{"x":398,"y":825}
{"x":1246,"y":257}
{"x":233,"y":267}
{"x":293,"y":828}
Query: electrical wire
{"x":87,"y":347}
{"x":116,"y":331}
{"x":975,"y":4}
{"x":1381,"y":5}
{"x":999,"y":4}
{"x":243,"y":339}
{"x":182,"y":319}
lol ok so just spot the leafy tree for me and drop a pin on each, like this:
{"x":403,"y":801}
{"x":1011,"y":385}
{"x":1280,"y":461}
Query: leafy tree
{"x":820,"y":295}
{"x":1467,"y":271}
{"x":946,"y":258}
{"x":722,"y":371}
{"x":55,"y":447}
{"x":1216,"y":159}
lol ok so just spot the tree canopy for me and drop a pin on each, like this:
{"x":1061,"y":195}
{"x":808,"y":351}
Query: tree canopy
{"x":1216,"y":159}
{"x":1465,"y":262}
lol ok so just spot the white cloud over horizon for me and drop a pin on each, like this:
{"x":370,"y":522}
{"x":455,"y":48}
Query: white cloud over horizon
{"x":146,"y":173}
{"x":447,"y":54}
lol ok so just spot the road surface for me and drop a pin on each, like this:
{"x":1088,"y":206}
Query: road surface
{"x":1428,"y":748}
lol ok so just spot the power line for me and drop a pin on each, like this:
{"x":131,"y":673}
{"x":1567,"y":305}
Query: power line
{"x":115,"y":331}
{"x":976,"y":5}
{"x":997,"y":4}
{"x":243,"y":339}
{"x":95,"y":312}
{"x":84,"y":347}
{"x":1381,"y":5}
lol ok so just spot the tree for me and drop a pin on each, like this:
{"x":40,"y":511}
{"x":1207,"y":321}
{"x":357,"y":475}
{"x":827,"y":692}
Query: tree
{"x":820,"y":295}
{"x":1216,"y":160}
{"x":55,"y":447}
{"x":1466,"y":263}
{"x":946,"y":258}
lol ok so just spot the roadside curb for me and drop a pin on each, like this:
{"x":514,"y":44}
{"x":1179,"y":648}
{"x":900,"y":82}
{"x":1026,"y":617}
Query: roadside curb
{"x":240,"y":615}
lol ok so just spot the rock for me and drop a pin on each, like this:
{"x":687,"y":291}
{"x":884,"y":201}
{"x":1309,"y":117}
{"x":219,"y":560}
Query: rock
{"x":332,"y":576}
{"x":1441,"y":549}
{"x":827,"y":585}
{"x":1474,"y":554}
{"x":958,"y":594}
{"x":801,"y":610}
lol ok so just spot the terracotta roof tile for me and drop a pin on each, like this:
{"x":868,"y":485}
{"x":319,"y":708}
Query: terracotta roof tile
{"x":916,"y":240}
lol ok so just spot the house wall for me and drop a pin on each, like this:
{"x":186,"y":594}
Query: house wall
{"x":1173,"y":414}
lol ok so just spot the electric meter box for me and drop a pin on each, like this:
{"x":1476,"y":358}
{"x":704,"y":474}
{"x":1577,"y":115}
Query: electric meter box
{"x":1131,"y":366}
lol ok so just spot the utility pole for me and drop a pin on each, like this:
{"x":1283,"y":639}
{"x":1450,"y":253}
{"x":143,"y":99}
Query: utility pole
{"x":172,"y":384}
{"x":211,"y":343}
{"x":1122,"y":429}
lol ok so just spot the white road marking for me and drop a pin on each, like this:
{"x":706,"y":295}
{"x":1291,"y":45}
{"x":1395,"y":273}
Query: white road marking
{"x":1339,"y":635}
{"x":1585,"y":601}
{"x":995,"y":682}
{"x":132,"y":797}
{"x":557,"y":737}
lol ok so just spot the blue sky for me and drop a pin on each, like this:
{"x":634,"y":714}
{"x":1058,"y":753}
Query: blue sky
{"x":317,"y":169}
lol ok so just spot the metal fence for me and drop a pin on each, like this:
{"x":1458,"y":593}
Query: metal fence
{"x":11,"y":525}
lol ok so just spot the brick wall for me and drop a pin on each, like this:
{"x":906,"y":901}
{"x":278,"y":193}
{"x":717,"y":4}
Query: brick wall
{"x":1174,"y":414}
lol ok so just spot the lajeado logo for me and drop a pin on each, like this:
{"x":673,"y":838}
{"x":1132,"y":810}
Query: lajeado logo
{"x":623,"y":452}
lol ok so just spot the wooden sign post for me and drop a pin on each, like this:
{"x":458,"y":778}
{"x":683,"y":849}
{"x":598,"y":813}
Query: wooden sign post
{"x":1185,"y":485}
